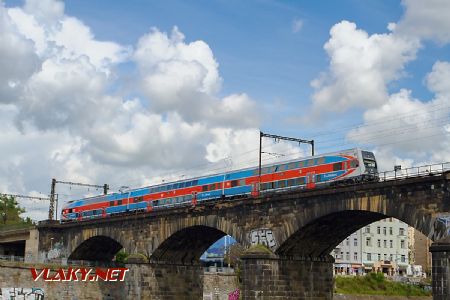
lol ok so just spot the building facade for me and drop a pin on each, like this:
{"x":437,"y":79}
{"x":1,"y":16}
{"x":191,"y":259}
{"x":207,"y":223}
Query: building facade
{"x":379,"y":247}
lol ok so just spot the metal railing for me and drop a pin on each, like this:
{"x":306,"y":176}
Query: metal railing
{"x":426,"y":170}
{"x":62,"y":261}
{"x":12,"y":258}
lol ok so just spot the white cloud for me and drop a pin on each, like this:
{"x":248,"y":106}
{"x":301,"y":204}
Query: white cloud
{"x":399,"y":127}
{"x":360,"y":67}
{"x":426,"y":20}
{"x":17,"y":59}
{"x":60,"y":119}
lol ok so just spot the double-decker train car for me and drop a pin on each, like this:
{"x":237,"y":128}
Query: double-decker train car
{"x":353,"y":165}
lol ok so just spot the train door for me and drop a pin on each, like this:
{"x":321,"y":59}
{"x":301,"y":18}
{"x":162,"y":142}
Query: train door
{"x":310,"y":180}
{"x":194,"y":198}
{"x":149,"y":205}
{"x":255,"y":189}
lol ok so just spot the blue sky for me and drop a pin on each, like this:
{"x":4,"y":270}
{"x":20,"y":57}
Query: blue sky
{"x":135,"y":92}
{"x":254,"y":42}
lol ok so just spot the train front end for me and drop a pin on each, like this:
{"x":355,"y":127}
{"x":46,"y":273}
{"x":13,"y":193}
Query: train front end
{"x":370,"y":165}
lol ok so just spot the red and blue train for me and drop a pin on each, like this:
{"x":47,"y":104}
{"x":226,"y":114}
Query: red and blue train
{"x":353,"y":165}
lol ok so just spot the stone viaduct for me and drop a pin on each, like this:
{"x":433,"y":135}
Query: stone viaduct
{"x":301,"y":227}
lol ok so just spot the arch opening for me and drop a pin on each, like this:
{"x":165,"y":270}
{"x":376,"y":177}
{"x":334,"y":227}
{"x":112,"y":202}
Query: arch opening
{"x":97,"y":248}
{"x":320,"y":237}
{"x":187,"y":245}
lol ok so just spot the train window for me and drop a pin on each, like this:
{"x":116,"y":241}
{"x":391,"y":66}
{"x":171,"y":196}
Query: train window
{"x":188,"y":184}
{"x":337,"y":166}
{"x":212,"y":187}
{"x":234,"y":182}
{"x":291,"y":182}
{"x":242,"y":182}
{"x":195,"y":182}
{"x":111,"y":203}
{"x":300,"y":180}
{"x":309,"y":162}
{"x":282,"y":183}
{"x":155,"y":203}
{"x":119,"y":202}
{"x":321,"y":160}
{"x":292,"y":165}
{"x":354,"y":164}
{"x":318,"y":178}
{"x":204,"y":188}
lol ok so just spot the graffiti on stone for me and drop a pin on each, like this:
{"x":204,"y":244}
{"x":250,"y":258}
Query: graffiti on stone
{"x":263,"y":236}
{"x":56,"y":251}
{"x":22,"y":293}
{"x":445,"y":219}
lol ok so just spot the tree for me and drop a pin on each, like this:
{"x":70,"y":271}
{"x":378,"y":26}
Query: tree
{"x":233,"y":254}
{"x":10,"y":212}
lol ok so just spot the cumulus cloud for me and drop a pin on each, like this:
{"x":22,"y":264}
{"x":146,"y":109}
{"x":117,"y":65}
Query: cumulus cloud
{"x":61,"y":120}
{"x":400,"y":128}
{"x":361,"y":65}
{"x":426,"y":20}
{"x":17,"y":58}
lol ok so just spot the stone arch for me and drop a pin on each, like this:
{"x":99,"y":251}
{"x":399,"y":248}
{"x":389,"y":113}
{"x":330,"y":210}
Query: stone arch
{"x":187,"y":245}
{"x":96,"y":248}
{"x":319,"y":229}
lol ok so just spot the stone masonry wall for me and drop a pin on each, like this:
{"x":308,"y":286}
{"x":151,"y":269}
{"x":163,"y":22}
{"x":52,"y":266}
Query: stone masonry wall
{"x":155,"y":281}
{"x":440,"y":271}
{"x":18,"y":275}
{"x":217,"y":286}
{"x":272,"y":278}
{"x":143,"y":281}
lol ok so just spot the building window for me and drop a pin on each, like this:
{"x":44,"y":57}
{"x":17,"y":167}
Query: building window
{"x":391,"y":257}
{"x":379,"y":243}
{"x":402,"y":244}
{"x":355,"y":255}
{"x":355,"y":242}
{"x":347,"y":241}
{"x":391,"y":232}
{"x":391,"y":243}
{"x":385,"y":244}
{"x":384,"y":230}
{"x":347,"y":256}
{"x":402,"y":231}
{"x":379,"y":256}
{"x":403,"y":259}
{"x":385,"y":256}
{"x":378,"y":229}
{"x":369,"y":242}
{"x":369,"y":256}
{"x":367,"y":229}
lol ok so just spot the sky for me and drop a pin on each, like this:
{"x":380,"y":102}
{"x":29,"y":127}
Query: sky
{"x":131,"y":93}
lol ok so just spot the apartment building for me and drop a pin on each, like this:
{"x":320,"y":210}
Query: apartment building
{"x":381,"y":247}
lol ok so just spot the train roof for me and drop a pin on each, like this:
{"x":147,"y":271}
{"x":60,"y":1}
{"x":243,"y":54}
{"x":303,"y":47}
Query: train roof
{"x":216,"y":174}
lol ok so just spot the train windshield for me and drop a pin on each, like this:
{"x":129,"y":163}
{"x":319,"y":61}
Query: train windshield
{"x":370,"y":163}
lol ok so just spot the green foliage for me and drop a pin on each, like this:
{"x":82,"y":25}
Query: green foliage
{"x":258,"y":248}
{"x":376,"y":284}
{"x":10,"y":212}
{"x":121,"y":256}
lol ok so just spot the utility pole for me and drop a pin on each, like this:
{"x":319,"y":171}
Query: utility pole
{"x":53,"y":196}
{"x":277,"y":138}
{"x":51,"y":208}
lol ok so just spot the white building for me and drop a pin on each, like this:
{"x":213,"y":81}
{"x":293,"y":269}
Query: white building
{"x":381,"y":247}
